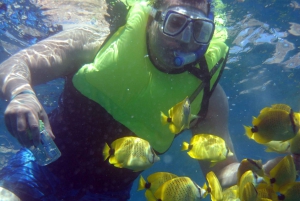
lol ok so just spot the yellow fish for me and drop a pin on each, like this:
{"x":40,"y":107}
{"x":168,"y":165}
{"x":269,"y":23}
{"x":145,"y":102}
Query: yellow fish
{"x":130,"y":152}
{"x":155,"y":180}
{"x":231,"y":194}
{"x":250,"y":164}
{"x":249,"y":193}
{"x":278,"y":147}
{"x":247,"y":177}
{"x":264,"y":190}
{"x":214,"y":187}
{"x":179,"y":116}
{"x":277,"y":123}
{"x":207,"y":147}
{"x":290,"y":192}
{"x":178,"y":189}
{"x":250,"y":176}
{"x":283,"y":173}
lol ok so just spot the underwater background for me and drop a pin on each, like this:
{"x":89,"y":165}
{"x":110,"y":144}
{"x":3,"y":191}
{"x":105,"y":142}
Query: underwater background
{"x":263,"y":67}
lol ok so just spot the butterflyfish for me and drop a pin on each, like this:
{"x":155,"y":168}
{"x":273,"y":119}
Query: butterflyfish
{"x":278,"y":123}
{"x":250,"y":164}
{"x":130,"y":152}
{"x":214,"y":187}
{"x":207,"y":147}
{"x":249,"y":176}
{"x":178,"y":189}
{"x":264,"y":190}
{"x":179,"y":116}
{"x":290,"y":192}
{"x":283,"y":173}
{"x":154,"y":181}
{"x":248,"y":192}
{"x":231,"y":194}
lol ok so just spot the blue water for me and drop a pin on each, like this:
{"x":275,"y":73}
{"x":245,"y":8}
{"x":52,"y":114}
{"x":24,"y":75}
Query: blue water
{"x":267,"y":84}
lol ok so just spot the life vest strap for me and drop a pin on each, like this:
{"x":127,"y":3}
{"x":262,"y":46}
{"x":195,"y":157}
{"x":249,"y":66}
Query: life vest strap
{"x":205,"y":76}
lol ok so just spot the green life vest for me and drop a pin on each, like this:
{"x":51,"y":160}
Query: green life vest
{"x":123,"y":80}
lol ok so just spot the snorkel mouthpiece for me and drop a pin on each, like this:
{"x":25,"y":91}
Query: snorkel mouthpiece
{"x":182,"y":59}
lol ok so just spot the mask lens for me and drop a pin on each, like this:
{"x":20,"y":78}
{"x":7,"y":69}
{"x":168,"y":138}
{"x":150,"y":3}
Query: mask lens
{"x":203,"y":31}
{"x":174,"y":24}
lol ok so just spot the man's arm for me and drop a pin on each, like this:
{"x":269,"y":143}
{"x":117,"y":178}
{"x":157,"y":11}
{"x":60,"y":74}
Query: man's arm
{"x":216,"y":122}
{"x":49,"y":59}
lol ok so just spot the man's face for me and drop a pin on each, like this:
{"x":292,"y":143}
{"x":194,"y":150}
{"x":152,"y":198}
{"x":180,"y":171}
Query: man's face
{"x":162,"y":47}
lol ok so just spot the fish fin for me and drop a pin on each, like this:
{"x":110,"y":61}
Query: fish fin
{"x":113,"y":160}
{"x":212,"y":164}
{"x":248,"y":132}
{"x":118,"y":165}
{"x":268,"y":150}
{"x":185,"y":146}
{"x":281,"y":107}
{"x":164,"y":118}
{"x":106,"y":151}
{"x":170,"y":112}
{"x":193,"y":117}
{"x":149,"y":196}
{"x":158,"y":192}
{"x":205,"y":187}
{"x":142,"y":183}
{"x":266,"y":109}
{"x":265,"y":199}
{"x":174,"y":129}
{"x":255,"y":121}
{"x":192,"y":155}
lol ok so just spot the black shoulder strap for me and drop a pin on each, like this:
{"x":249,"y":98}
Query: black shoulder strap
{"x":205,"y":76}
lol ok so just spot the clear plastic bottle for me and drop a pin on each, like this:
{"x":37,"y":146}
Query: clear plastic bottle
{"x":46,"y":152}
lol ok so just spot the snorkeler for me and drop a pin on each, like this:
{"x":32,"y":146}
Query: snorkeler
{"x":164,"y":53}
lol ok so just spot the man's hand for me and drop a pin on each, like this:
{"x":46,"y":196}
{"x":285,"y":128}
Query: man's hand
{"x":22,"y":115}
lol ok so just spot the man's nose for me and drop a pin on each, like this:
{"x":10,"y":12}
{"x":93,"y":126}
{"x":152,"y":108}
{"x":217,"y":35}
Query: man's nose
{"x":187,"y":33}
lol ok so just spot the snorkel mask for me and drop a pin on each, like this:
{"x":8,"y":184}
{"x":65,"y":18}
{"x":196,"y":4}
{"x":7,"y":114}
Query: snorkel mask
{"x":185,"y":24}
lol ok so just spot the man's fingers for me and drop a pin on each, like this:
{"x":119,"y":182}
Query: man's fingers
{"x":33,"y":124}
{"x":9,"y":125}
{"x":47,"y":125}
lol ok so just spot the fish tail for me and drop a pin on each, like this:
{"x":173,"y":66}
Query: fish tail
{"x":106,"y":151}
{"x":142,"y":183}
{"x":164,"y":118}
{"x":248,"y":132}
{"x":174,"y":129}
{"x":185,"y":146}
{"x":206,"y":188}
{"x":149,"y":196}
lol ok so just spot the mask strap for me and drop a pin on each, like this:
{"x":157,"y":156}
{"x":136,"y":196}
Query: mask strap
{"x":156,"y":14}
{"x":210,"y":9}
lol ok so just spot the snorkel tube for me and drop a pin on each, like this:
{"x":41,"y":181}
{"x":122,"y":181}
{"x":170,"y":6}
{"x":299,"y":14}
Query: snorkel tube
{"x":183,"y":58}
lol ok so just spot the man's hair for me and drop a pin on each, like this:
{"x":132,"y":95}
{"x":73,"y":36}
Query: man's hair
{"x":195,"y":3}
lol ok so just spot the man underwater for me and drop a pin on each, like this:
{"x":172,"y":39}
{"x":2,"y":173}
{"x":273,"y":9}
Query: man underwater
{"x":160,"y":56}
